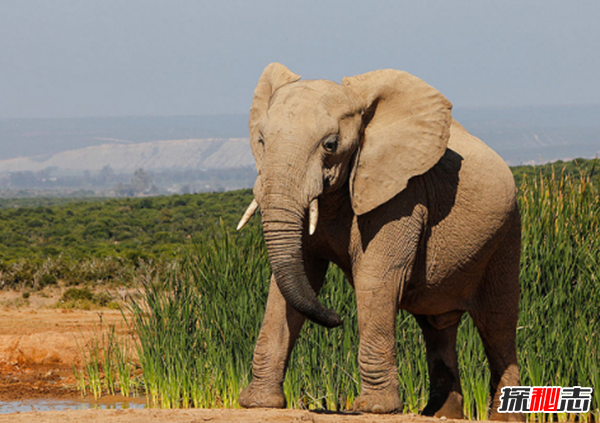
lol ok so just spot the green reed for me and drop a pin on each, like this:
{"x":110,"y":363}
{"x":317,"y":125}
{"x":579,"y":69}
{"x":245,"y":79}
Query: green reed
{"x":108,"y":364}
{"x":197,"y":322}
{"x":93,"y":368}
{"x":559,"y":336}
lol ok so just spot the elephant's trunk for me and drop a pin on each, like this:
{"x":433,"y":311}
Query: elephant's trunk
{"x":283,"y":223}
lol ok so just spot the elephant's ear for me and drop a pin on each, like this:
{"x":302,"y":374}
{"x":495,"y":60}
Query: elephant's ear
{"x":407,"y":126}
{"x":273,"y":77}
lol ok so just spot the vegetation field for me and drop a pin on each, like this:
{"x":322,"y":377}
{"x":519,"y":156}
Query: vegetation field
{"x":203,"y":290}
{"x":46,"y":241}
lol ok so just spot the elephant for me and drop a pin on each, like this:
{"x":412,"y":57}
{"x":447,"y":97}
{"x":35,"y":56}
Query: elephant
{"x":375,"y":176}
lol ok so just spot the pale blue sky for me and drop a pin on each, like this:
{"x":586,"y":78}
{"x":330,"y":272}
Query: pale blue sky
{"x":70,"y":58}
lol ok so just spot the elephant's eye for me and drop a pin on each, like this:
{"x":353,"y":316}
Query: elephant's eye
{"x":330,"y":144}
{"x":260,"y":140}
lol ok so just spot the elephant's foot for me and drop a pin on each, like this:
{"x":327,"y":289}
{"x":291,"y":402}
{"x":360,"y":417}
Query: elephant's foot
{"x":452,"y":408}
{"x":262,"y":396}
{"x":379,"y":402}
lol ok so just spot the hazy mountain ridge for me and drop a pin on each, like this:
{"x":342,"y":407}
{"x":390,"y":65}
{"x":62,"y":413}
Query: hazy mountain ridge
{"x":33,"y":137}
{"x":537,"y":134}
{"x":519,"y":134}
{"x":529,"y":144}
{"x":211,"y":153}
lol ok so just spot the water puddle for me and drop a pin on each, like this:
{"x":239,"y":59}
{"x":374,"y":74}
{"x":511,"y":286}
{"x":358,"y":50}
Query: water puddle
{"x":49,"y":404}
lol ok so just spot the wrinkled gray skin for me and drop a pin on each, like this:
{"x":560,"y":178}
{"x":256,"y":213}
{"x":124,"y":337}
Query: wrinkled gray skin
{"x":419,"y":214}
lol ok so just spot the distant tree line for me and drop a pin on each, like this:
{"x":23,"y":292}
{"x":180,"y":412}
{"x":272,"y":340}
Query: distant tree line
{"x":576,"y":168}
{"x":43,"y":241}
{"x":106,"y":182}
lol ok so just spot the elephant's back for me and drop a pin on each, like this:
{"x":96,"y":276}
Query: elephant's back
{"x":485,"y":180}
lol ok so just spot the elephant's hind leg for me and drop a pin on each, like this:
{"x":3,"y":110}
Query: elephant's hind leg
{"x":445,"y":395}
{"x":496,"y":314}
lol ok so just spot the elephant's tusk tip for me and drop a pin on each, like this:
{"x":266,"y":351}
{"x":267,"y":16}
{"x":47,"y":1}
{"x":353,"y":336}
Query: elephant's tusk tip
{"x":313,"y":216}
{"x":247,"y":215}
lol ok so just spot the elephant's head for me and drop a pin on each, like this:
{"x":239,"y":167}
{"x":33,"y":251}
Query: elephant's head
{"x":309,"y":138}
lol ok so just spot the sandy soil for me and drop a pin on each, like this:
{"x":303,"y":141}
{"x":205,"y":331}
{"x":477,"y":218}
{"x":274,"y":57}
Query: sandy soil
{"x":198,"y":416}
{"x":40,"y":344}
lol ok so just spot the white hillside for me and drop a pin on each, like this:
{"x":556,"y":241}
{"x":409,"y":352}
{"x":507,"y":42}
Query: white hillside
{"x":212,"y":153}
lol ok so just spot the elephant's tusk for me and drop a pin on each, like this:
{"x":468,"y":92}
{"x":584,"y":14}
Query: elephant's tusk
{"x":247,"y":214}
{"x":313,"y":216}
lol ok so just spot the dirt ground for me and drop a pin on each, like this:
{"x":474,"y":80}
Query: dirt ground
{"x":200,"y":415}
{"x":39,"y":344}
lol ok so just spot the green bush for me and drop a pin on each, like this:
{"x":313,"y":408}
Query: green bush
{"x":84,"y":298}
{"x":77,"y":294}
{"x":47,"y":279}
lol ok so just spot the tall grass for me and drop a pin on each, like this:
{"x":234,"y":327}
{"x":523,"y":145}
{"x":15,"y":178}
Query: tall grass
{"x":559,"y":325}
{"x":198,"y":323}
{"x":108,"y":364}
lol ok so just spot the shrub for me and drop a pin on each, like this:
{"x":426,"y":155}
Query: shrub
{"x":77,"y":294}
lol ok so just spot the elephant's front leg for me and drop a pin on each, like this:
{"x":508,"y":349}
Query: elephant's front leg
{"x":278,"y":334}
{"x":377,"y":310}
{"x":276,"y":339}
